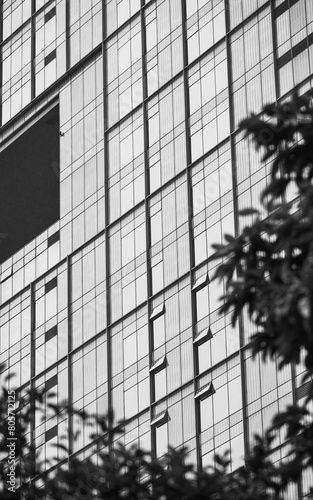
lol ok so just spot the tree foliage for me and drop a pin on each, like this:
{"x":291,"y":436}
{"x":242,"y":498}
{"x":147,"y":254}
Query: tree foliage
{"x":268,"y":270}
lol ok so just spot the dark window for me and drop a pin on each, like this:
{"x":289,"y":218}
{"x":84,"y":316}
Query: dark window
{"x":53,"y":238}
{"x":51,"y":333}
{"x":29,"y":187}
{"x":50,"y":14}
{"x":50,"y":57}
{"x":51,"y":433}
{"x":50,"y":285}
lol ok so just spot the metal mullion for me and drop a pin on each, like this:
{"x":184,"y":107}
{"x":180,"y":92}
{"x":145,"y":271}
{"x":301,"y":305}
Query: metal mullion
{"x":274,"y":50}
{"x":294,"y":401}
{"x":1,"y":57}
{"x":69,"y":356}
{"x":236,"y":226}
{"x":147,"y":213}
{"x":67,"y":35}
{"x":33,"y":51}
{"x":106,"y":231}
{"x":190,"y":228}
{"x":32,"y":369}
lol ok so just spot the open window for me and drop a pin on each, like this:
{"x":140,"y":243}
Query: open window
{"x":29,"y":183}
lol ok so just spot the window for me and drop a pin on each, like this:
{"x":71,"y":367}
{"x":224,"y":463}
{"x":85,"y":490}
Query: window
{"x":29,"y":191}
{"x":159,"y":371}
{"x":206,"y":413}
{"x":203,"y":345}
{"x":131,"y":402}
{"x":164,"y":42}
{"x":205,"y":27}
{"x":202,"y":303}
{"x":158,"y":325}
{"x":118,"y":12}
{"x":130,"y":350}
{"x":16,"y":73}
{"x":218,"y":347}
{"x":46,"y":306}
{"x":51,"y":433}
{"x":51,"y":299}
{"x":130,"y":344}
{"x":50,"y":50}
{"x":204,"y":356}
{"x":220,"y":404}
{"x":237,"y":452}
{"x":14,"y":15}
{"x":124,"y":85}
{"x":235,"y":396}
{"x":208,"y":102}
{"x":253,"y":73}
{"x":126,"y":165}
{"x":137,"y":398}
{"x":158,"y":332}
{"x":161,"y":440}
{"x":166,"y":127}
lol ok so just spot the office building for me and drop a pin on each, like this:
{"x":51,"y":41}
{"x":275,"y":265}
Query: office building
{"x":121,"y":164}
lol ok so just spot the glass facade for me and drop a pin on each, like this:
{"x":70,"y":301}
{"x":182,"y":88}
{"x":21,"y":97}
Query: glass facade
{"x":112,"y":306}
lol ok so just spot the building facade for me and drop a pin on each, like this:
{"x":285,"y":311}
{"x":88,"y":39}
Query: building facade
{"x":122,"y":164}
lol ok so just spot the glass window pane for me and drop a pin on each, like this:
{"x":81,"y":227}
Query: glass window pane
{"x":234,"y":392}
{"x":204,"y":356}
{"x":202,"y":302}
{"x":161,"y":438}
{"x":220,"y":404}
{"x":51,"y":303}
{"x":160,"y":384}
{"x":143,"y":342}
{"x":206,"y":413}
{"x":158,"y":332}
{"x":131,"y":402}
{"x":130,"y":350}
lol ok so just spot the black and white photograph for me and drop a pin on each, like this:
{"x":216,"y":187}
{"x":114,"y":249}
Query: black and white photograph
{"x":156,"y":249}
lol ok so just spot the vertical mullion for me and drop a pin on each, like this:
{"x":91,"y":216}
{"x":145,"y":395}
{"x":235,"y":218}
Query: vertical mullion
{"x":67,"y":34}
{"x":1,"y":57}
{"x":236,"y":226}
{"x":274,"y":50}
{"x":32,"y":370}
{"x":190,"y":225}
{"x":107,"y":219}
{"x":33,"y":50}
{"x":69,"y":357}
{"x":147,"y":212}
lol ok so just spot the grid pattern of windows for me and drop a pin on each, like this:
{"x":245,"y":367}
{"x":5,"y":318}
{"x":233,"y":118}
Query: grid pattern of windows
{"x":124,"y":72}
{"x":208,"y":102}
{"x":205,"y":26}
{"x":115,"y":297}
{"x":294,"y":42}
{"x":164,"y":42}
{"x":126,"y":166}
{"x":253,"y":81}
{"x":15,"y":340}
{"x":47,"y":40}
{"x":167,"y":143}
